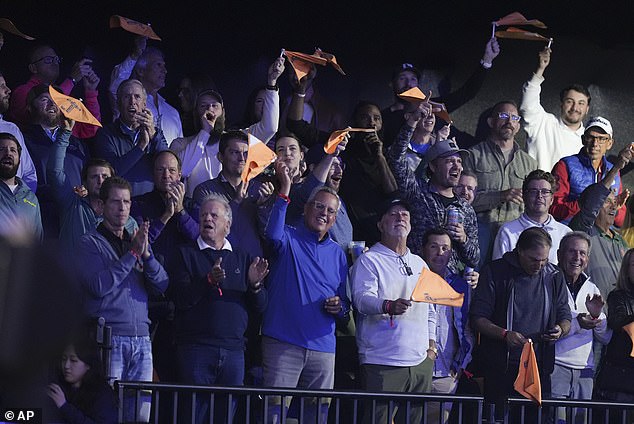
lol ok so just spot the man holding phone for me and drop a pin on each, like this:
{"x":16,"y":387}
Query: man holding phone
{"x":520,"y":297}
{"x":130,"y":141}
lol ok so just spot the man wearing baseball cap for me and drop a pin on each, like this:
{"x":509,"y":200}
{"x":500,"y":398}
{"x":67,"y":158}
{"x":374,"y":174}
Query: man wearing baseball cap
{"x":432,"y":200}
{"x":406,"y":76}
{"x":588,"y":166}
{"x":383,"y":280}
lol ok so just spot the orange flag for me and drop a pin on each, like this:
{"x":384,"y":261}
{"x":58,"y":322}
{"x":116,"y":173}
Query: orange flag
{"x":629,"y":329}
{"x":10,"y":27}
{"x":301,"y":62}
{"x":133,"y":26}
{"x":258,"y":158}
{"x":520,"y":34}
{"x":413,"y":95}
{"x":432,"y":288}
{"x":72,"y":108}
{"x":517,"y":18}
{"x":330,"y":58}
{"x":440,"y":110}
{"x":337,"y":137}
{"x":527,"y":382}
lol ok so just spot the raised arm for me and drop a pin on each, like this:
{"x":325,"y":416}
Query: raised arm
{"x":530,"y":106}
{"x":266,"y":128}
{"x":396,"y":157}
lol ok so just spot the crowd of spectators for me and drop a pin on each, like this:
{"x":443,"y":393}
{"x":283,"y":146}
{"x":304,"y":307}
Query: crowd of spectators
{"x":207,"y":279}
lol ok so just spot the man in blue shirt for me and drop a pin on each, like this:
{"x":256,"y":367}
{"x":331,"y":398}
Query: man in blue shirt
{"x":306,"y":293}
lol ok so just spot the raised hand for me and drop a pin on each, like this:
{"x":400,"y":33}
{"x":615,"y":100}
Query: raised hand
{"x":491,"y":50}
{"x":264,"y":192}
{"x":140,"y":244}
{"x":594,"y":305}
{"x":67,"y":123}
{"x":275,"y":70}
{"x":543,"y":61}
{"x":283,"y":176}
{"x":513,"y":195}
{"x":258,"y":270}
{"x":91,"y":80}
{"x":138,"y":46}
{"x":217,"y":274}
{"x":56,"y":394}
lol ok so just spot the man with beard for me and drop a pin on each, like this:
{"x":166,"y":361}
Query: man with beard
{"x":434,"y":201}
{"x":575,"y":173}
{"x":44,"y":67}
{"x":130,"y":142}
{"x":48,"y":128}
{"x":549,"y":138}
{"x":407,"y":76}
{"x":19,"y":208}
{"x":501,"y":167}
{"x":537,"y":192}
{"x":26,"y":170}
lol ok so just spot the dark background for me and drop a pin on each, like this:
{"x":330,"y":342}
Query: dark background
{"x":235,"y":41}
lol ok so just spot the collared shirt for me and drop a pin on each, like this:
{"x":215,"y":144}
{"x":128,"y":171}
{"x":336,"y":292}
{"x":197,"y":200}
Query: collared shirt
{"x":166,"y":118}
{"x":119,"y":245}
{"x":509,"y":233}
{"x":51,"y":133}
{"x":202,"y":245}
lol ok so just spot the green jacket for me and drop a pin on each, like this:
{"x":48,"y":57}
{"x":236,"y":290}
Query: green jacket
{"x":487,"y":161}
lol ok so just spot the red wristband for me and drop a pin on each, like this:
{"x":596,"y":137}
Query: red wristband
{"x":504,"y":333}
{"x":136,"y":255}
{"x":285,"y":197}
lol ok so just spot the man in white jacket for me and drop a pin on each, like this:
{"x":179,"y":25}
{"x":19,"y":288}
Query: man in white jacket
{"x":549,"y":137}
{"x":396,"y":337}
{"x":572,"y":377}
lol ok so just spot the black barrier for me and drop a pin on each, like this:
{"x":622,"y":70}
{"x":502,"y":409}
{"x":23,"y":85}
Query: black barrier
{"x":253,"y":404}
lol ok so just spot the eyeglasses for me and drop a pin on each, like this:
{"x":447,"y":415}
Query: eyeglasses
{"x":504,"y":115}
{"x":320,"y":207}
{"x":544,"y":192}
{"x":48,"y":60}
{"x":599,"y":139}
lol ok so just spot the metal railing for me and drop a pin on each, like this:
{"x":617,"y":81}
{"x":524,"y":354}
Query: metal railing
{"x":177,"y":403}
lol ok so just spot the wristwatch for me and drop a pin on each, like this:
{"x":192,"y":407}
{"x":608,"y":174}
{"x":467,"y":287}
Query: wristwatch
{"x":433,"y":349}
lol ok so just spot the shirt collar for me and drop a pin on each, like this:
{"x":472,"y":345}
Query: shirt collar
{"x":579,"y":131}
{"x":202,"y":245}
{"x":545,"y":224}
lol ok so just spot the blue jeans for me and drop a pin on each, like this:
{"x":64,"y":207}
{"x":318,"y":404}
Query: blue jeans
{"x":287,"y":365}
{"x":209,"y":365}
{"x":131,"y":360}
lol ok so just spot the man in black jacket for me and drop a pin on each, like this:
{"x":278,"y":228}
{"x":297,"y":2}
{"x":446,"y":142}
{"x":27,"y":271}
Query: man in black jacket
{"x":520,"y":297}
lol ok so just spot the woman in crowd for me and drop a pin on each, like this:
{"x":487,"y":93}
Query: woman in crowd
{"x":82,"y":394}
